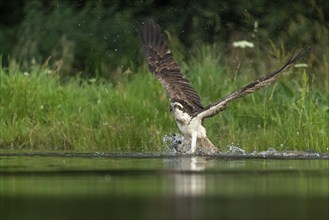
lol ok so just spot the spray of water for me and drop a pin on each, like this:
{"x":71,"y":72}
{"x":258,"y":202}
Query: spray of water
{"x":178,"y":145}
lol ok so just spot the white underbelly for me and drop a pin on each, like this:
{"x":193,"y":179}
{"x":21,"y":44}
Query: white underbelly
{"x":192,"y":127}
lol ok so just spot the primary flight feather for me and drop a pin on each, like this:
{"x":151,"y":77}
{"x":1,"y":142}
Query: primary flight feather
{"x":185,"y":103}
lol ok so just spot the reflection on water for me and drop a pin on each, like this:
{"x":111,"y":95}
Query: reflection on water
{"x":188,"y":182}
{"x":154,"y":187}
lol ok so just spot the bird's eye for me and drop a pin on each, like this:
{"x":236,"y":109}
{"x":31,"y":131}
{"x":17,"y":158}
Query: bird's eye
{"x":176,"y":105}
{"x":179,"y":106}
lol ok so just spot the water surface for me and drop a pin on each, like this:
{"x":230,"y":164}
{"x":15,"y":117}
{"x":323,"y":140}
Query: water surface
{"x":151,"y":186}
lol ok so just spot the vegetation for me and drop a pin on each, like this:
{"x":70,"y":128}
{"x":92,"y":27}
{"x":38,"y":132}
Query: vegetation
{"x":99,"y":38}
{"x":72,"y":76}
{"x":40,"y":110}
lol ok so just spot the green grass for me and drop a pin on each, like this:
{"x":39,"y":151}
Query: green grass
{"x":41,"y":111}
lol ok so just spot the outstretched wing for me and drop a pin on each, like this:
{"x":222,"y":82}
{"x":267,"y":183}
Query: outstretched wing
{"x":162,"y":64}
{"x":219,"y":106}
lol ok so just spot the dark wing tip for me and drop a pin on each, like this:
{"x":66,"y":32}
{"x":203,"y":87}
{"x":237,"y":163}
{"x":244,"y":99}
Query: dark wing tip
{"x":291,"y":61}
{"x":150,"y":32}
{"x":293,"y":58}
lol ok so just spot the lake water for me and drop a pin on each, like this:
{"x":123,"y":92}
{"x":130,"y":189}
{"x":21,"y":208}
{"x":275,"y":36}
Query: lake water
{"x":151,"y":186}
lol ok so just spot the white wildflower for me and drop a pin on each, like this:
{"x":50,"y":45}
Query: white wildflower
{"x":93,"y":80}
{"x":243,"y":44}
{"x":301,"y":65}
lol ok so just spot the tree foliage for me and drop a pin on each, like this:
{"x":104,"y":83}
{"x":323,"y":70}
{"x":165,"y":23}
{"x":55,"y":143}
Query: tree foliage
{"x":99,"y":37}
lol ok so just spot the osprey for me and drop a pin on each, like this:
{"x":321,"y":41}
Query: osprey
{"x":185,"y":103}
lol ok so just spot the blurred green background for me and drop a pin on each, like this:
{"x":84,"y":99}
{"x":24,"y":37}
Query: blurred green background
{"x":95,"y":37}
{"x":73,"y":75}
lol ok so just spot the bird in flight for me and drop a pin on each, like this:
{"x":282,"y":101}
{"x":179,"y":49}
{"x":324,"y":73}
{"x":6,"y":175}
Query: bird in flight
{"x":185,"y":103}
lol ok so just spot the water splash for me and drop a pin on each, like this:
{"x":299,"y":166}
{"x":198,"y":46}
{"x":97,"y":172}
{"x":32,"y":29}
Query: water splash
{"x":271,"y":152}
{"x":234,"y":150}
{"x":177,"y":145}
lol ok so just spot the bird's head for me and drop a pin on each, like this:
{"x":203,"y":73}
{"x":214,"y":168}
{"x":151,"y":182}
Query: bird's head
{"x":176,"y":106}
{"x":179,"y":112}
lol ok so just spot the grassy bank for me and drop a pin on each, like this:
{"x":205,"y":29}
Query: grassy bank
{"x":41,"y":111}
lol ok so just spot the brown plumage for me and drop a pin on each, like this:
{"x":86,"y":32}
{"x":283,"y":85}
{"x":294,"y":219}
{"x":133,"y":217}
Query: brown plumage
{"x":162,"y":64}
{"x":184,"y":101}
